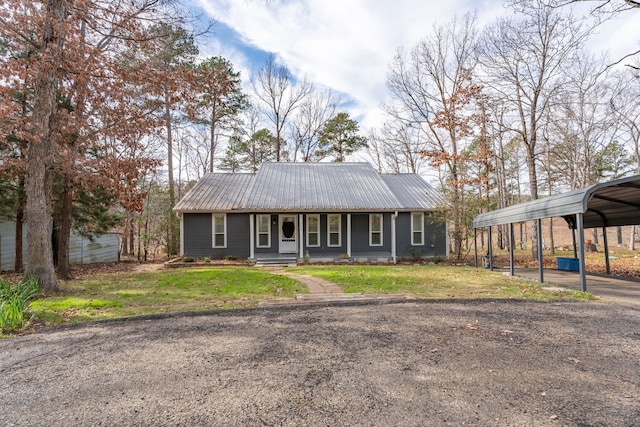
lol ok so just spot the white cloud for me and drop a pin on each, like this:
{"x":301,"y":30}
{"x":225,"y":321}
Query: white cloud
{"x":345,"y":45}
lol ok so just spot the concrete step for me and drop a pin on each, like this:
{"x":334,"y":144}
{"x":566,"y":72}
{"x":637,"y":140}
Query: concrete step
{"x":345,"y":297}
{"x":276,"y":261}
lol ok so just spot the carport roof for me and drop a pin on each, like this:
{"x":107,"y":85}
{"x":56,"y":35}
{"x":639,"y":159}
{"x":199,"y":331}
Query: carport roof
{"x":607,"y":204}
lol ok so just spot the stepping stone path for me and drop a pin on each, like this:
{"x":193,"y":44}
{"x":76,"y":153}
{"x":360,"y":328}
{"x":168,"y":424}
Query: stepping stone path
{"x":324,"y":290}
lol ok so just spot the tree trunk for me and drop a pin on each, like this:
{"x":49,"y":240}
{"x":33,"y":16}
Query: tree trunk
{"x":212,"y":153}
{"x":632,"y":239}
{"x":131,"y":236}
{"x":64,"y":234}
{"x":619,"y":235}
{"x":19,"y":262}
{"x":552,"y":244}
{"x":171,"y":237}
{"x":39,"y":180}
{"x":533,"y":189}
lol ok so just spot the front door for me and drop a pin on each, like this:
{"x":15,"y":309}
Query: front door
{"x":288,"y":232}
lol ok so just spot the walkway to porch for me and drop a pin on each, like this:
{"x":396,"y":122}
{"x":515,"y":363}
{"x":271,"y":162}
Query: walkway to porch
{"x":324,"y":291}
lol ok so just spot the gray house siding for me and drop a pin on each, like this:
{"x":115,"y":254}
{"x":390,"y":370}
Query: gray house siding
{"x":198,"y":236}
{"x":238,"y":234}
{"x":324,"y":238}
{"x":275,"y":237}
{"x":435,"y":242}
{"x":360,"y":233}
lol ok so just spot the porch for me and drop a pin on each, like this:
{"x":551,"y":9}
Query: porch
{"x":325,"y":257}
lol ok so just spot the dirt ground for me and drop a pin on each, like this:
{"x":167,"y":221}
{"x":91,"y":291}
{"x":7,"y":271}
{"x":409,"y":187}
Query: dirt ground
{"x":503,"y":363}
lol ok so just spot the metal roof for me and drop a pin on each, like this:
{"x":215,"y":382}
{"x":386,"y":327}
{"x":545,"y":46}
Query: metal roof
{"x":607,"y":204}
{"x":309,"y":187}
{"x":413,"y":192}
{"x":217,"y":192}
{"x":326,"y":186}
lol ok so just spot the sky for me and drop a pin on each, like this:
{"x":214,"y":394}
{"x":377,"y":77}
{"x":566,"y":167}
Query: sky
{"x":347,"y":45}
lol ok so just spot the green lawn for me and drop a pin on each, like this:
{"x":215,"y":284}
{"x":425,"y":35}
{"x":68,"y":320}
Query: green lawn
{"x":128,"y":294}
{"x":433,"y":281}
{"x":121,"y":294}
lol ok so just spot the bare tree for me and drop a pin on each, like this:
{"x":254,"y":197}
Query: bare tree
{"x":525,"y":58}
{"x":626,"y":107}
{"x":433,"y":89}
{"x":581,"y":127}
{"x":317,"y":108}
{"x":279,"y":96}
{"x":601,"y":11}
{"x":397,"y":148}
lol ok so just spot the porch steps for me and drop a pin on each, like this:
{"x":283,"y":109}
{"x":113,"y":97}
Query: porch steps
{"x":272,"y":262}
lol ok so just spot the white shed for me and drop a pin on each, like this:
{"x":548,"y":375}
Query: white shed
{"x":103,"y":248}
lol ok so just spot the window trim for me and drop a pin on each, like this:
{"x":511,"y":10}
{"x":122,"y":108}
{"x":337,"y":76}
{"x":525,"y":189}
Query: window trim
{"x":309,"y":232}
{"x":339,"y":231}
{"x":414,"y":230}
{"x":371,"y":231}
{"x":213,"y":230}
{"x":258,"y":232}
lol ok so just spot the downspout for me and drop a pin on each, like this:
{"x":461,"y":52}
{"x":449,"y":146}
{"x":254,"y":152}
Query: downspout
{"x":181,"y":218}
{"x":301,"y":234}
{"x":393,"y":237}
{"x":252,"y":236}
{"x":349,"y":235}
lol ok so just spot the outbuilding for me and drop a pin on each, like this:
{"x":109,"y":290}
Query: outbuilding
{"x":602,"y":205}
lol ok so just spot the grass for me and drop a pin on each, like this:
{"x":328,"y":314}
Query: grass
{"x":124,"y":294}
{"x":434,"y":281}
{"x":116,"y":295}
{"x":14,"y":304}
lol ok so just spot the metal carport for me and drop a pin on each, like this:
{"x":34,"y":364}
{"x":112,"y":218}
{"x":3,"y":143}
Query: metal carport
{"x":609,"y":204}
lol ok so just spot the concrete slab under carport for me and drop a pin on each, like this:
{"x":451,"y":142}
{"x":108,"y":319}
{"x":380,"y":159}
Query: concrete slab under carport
{"x":625,"y":290}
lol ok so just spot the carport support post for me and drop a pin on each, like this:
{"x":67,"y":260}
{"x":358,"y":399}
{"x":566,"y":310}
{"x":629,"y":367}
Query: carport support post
{"x":490,"y":253}
{"x":583,"y":275}
{"x":475,"y":246}
{"x":540,"y":263}
{"x":605,"y":242}
{"x":512,"y":242}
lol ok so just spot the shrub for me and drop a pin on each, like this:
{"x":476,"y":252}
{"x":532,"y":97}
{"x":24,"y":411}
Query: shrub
{"x":188,"y":259}
{"x":14,"y":304}
{"x":206,"y":259}
{"x":231,"y":257}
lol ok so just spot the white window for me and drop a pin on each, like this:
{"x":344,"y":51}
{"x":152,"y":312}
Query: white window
{"x":264,"y":231}
{"x":313,"y":230}
{"x":219,"y":237}
{"x":333,"y":230}
{"x":375,"y":230}
{"x":417,"y":229}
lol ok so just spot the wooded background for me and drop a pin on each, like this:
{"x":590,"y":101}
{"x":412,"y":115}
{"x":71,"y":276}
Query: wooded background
{"x":109,"y":113}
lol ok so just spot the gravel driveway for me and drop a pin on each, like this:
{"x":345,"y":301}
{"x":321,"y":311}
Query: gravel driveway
{"x":504,"y":363}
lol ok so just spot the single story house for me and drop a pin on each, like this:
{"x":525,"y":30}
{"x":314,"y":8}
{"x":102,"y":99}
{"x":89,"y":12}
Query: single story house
{"x":312,"y":211}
